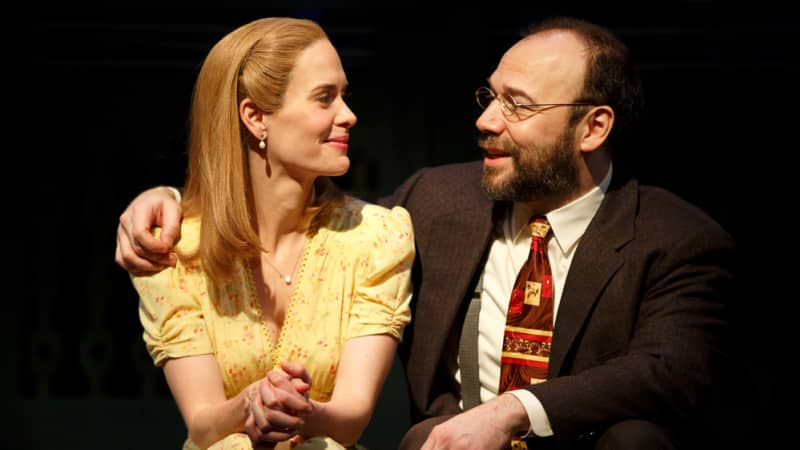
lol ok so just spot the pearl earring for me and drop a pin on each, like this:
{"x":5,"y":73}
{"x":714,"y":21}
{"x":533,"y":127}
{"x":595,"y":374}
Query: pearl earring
{"x":261,"y":144}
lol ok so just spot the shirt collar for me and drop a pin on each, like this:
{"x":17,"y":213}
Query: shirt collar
{"x":568,"y":222}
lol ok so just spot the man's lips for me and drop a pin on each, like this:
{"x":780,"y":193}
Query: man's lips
{"x":495,"y":153}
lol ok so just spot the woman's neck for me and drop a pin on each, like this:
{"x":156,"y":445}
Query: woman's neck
{"x":281,"y":211}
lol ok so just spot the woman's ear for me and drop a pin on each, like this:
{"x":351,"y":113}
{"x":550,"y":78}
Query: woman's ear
{"x":253,"y":119}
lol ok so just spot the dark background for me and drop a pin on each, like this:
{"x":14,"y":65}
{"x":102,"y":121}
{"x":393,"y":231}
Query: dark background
{"x":103,"y":97}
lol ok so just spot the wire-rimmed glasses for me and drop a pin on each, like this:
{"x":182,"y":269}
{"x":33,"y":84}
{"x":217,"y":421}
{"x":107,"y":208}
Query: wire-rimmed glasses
{"x":485,"y":96}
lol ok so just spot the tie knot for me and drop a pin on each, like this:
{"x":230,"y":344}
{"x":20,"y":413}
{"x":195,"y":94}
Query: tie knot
{"x":539,"y":226}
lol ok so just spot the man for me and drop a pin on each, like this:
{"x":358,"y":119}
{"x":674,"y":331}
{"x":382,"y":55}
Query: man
{"x":641,"y":279}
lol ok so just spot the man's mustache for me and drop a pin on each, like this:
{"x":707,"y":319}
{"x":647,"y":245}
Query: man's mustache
{"x":489,"y":141}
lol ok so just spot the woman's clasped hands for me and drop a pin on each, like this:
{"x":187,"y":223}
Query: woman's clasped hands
{"x":277,"y":405}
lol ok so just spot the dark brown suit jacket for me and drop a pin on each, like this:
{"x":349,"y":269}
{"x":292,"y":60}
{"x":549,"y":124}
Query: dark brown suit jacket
{"x":641,"y":321}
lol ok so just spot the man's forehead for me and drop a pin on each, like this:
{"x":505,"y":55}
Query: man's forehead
{"x":552,"y":58}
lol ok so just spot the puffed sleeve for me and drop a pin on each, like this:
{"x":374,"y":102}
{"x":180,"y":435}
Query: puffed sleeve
{"x":170,"y":311}
{"x":383,"y":294}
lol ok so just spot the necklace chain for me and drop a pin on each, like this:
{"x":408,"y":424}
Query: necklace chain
{"x":289,"y":278}
{"x":286,"y":278}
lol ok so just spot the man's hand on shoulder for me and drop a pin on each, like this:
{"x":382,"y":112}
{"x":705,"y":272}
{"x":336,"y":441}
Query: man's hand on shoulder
{"x":138,"y":250}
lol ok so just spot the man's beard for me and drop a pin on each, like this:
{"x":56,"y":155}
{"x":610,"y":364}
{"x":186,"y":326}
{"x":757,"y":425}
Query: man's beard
{"x":538,"y":172}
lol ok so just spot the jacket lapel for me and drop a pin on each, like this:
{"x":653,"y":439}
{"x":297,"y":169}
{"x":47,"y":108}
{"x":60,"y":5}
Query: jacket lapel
{"x":452,"y":254}
{"x":596,"y":261}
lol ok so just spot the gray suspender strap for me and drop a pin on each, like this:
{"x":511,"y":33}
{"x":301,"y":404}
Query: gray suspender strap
{"x":468,"y":351}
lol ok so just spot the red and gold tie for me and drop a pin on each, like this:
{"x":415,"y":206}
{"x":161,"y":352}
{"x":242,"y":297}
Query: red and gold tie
{"x":529,"y":322}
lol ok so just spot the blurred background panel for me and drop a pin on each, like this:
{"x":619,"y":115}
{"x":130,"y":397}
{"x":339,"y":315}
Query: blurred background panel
{"x":104,"y":96}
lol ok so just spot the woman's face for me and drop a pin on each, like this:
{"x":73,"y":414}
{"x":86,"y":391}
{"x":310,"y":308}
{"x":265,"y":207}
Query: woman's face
{"x":310,"y":132}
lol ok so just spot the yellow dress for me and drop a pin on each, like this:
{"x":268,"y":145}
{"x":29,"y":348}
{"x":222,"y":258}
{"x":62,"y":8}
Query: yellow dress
{"x":354,"y":280}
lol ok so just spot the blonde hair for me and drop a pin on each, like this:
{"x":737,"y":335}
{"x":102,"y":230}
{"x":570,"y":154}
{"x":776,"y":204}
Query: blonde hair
{"x":253,"y":61}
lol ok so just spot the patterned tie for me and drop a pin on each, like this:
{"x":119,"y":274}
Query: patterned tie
{"x":529,"y":322}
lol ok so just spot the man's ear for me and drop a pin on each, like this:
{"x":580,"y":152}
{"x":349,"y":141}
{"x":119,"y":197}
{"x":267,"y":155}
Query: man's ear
{"x":596,"y":128}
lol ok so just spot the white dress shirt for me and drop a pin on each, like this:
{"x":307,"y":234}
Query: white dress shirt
{"x":508,"y":252}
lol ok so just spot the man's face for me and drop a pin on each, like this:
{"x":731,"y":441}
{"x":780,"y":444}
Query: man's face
{"x":532,"y":153}
{"x":537,"y":171}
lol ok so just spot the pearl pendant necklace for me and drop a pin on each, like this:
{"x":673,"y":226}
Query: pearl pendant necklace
{"x":288,"y":277}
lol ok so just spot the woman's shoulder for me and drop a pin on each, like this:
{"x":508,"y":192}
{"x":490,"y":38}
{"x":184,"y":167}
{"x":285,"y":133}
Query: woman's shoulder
{"x":360,"y":220}
{"x":189,"y":240}
{"x":186,"y":246}
{"x":372,"y":214}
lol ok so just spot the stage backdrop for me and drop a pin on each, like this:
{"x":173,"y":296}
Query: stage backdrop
{"x":104,"y":95}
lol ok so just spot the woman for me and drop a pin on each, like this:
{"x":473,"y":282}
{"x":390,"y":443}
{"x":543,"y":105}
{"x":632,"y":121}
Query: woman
{"x":283,"y":313}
